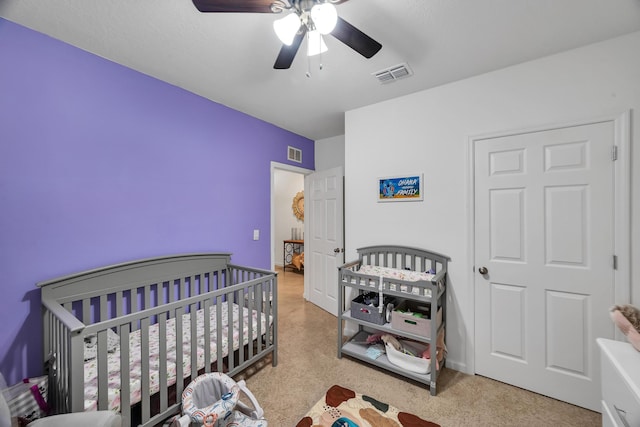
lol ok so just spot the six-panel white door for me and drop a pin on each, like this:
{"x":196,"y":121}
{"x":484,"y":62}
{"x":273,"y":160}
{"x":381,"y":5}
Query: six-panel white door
{"x":544,"y":232}
{"x":324,"y":246}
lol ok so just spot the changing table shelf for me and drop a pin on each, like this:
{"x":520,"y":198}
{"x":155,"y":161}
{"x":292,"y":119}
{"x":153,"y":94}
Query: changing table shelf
{"x":386,"y":328}
{"x":353,"y":349}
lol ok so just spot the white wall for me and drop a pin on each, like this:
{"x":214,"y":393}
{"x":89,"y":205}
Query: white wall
{"x":329,"y":153}
{"x":429,"y":132}
{"x":286,"y":185}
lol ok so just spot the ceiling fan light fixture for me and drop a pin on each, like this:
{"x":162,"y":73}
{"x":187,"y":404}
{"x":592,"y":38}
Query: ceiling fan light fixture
{"x":287,"y":27}
{"x":324,"y":17}
{"x":315,"y":43}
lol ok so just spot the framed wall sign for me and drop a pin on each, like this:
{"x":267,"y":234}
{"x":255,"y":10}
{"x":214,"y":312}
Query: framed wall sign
{"x":405,"y":188}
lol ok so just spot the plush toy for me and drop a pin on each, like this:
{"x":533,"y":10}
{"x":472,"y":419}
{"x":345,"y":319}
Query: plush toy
{"x":375,"y":338}
{"x":392,"y":341}
{"x":441,"y":350}
{"x":627,"y":319}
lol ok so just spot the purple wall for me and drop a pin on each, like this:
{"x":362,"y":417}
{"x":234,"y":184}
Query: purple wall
{"x":100,"y":164}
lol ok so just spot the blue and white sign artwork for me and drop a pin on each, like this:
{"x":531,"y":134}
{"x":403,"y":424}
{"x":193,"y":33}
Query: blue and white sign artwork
{"x":400,"y":188}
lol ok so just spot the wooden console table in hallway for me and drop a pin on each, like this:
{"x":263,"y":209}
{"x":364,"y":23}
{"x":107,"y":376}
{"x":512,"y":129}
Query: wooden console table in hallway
{"x":291,"y":248}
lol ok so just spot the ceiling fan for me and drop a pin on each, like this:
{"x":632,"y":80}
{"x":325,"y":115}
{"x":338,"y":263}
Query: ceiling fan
{"x":312,"y":18}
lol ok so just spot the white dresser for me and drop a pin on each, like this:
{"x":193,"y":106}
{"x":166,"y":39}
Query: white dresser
{"x":620,"y":383}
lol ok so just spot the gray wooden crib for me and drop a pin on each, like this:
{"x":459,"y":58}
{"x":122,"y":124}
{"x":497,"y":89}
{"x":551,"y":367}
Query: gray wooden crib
{"x":125,"y":337}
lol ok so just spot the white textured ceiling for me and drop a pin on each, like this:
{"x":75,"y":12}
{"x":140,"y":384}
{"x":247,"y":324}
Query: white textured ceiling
{"x":229,"y":58}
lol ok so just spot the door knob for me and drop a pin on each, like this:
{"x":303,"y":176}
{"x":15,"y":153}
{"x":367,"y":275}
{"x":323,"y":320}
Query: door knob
{"x":483,"y":270}
{"x":336,"y":250}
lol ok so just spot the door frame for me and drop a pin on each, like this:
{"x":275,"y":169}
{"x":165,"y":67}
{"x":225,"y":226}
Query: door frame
{"x":622,"y":213}
{"x":273,"y":167}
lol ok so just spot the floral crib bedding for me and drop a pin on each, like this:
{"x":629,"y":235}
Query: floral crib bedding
{"x":91,"y":368}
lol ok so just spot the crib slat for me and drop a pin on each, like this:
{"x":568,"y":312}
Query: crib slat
{"x":147,"y":296}
{"x":251,"y":303}
{"x":241,"y":322}
{"x":184,"y":288}
{"x":193,"y":314}
{"x":62,"y":350}
{"x":219,"y":334}
{"x":144,"y":368}
{"x":134,"y":303}
{"x":76,"y":361}
{"x":60,"y":363}
{"x":46,"y":328}
{"x":171,"y":291}
{"x":64,"y":373}
{"x":162,"y":362}
{"x":216,"y":282}
{"x":103,"y":308}
{"x":258,"y":309}
{"x":119,"y":303}
{"x":103,"y":372}
{"x":269,"y":309}
{"x":230,"y":331}
{"x":86,"y":311}
{"x":179,"y":355}
{"x":61,"y":354}
{"x":52,"y":355}
{"x":207,"y":336}
{"x":125,"y":380}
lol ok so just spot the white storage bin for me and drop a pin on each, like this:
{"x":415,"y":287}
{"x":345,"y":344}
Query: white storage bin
{"x":407,"y":361}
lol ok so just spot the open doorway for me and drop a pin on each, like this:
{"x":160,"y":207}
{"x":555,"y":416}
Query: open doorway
{"x":286,"y":182}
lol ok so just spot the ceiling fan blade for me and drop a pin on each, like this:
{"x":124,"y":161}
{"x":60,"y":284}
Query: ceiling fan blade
{"x":287,"y":53}
{"x":241,"y":6}
{"x":355,"y":39}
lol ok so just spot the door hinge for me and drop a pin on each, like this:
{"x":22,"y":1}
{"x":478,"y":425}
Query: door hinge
{"x":614,"y":153}
{"x":615,"y":262}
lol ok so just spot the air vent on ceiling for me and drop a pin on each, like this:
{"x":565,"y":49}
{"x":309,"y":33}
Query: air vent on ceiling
{"x":294,"y":154}
{"x":394,"y":73}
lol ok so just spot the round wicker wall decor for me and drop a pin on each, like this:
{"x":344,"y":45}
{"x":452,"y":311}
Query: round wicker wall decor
{"x":298,"y":205}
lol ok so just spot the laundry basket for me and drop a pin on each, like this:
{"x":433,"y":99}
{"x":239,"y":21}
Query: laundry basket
{"x":213,"y":400}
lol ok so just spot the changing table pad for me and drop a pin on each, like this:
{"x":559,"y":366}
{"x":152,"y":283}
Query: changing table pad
{"x":397,"y":274}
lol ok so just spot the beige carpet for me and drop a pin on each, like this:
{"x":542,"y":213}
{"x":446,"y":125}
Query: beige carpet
{"x":308,"y":366}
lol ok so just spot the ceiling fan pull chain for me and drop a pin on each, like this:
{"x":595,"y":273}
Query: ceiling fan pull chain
{"x":308,"y":73}
{"x":320,"y":54}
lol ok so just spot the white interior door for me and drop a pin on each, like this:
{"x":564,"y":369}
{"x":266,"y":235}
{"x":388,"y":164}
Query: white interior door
{"x":324,"y":246}
{"x":544,"y":231}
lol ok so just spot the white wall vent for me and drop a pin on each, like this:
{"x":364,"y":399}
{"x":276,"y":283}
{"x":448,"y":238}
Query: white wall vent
{"x":394,"y":73}
{"x":294,"y":154}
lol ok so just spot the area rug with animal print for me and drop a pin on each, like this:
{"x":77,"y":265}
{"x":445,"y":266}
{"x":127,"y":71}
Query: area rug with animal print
{"x":342,"y":407}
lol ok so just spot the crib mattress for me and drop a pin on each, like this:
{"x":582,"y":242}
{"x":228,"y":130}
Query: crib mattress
{"x":91,"y":371}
